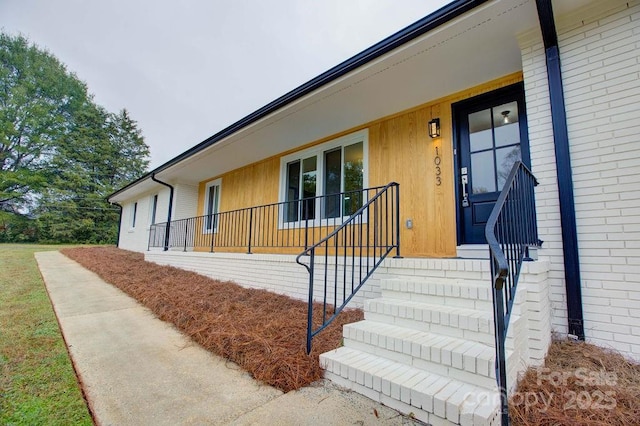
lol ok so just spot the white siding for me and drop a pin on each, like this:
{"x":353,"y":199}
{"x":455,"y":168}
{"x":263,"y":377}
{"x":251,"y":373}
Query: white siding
{"x":601,"y":73}
{"x":163,"y":204}
{"x":185,"y":201}
{"x":137,"y":239}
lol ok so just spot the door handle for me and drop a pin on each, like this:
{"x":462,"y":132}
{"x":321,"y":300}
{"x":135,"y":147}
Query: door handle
{"x":464,"y":179}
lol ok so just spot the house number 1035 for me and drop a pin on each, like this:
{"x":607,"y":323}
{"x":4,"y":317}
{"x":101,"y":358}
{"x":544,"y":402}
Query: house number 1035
{"x":437,"y":160}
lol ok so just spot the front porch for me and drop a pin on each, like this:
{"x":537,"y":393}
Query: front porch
{"x":428,"y":341}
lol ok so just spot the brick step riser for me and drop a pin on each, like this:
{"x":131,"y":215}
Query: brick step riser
{"x":466,"y":319}
{"x":376,"y":396}
{"x":461,"y":354}
{"x":475,"y":336}
{"x":395,"y":391}
{"x":484,"y":337}
{"x":481,"y":376}
{"x":447,"y":271}
{"x":465,"y":289}
{"x":451,"y":301}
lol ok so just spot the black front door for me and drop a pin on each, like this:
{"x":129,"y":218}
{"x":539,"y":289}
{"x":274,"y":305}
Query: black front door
{"x":491,"y":133}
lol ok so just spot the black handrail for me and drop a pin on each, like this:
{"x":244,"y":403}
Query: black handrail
{"x":365,"y":239}
{"x":510,"y":231}
{"x":295,"y":224}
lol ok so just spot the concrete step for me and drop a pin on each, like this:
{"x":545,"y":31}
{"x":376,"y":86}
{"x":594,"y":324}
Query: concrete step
{"x":467,"y":361}
{"x":473,"y":251}
{"x":451,"y":268}
{"x":432,"y":398}
{"x":463,"y":323}
{"x":449,"y":292}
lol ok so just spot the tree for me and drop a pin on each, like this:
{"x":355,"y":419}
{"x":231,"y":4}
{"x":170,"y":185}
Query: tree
{"x":38,"y":100}
{"x":17,"y":228}
{"x":129,"y":145}
{"x":101,"y":152}
{"x":60,"y":153}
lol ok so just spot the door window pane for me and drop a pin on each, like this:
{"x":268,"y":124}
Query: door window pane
{"x":309,"y":172}
{"x":480,"y":136}
{"x":505,"y":158}
{"x":353,"y":178}
{"x":293,"y":191}
{"x":482,"y":172}
{"x":507,"y":127}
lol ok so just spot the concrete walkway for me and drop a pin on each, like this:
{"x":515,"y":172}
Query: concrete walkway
{"x":136,"y":369}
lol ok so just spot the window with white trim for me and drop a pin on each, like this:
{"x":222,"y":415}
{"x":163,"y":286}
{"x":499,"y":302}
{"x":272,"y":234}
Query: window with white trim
{"x":336,"y":167}
{"x":134,"y":213}
{"x":212,"y":205}
{"x":154,"y":210}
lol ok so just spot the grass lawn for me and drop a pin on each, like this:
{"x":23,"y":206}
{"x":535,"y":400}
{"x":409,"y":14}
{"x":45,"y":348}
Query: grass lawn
{"x":37,"y":384}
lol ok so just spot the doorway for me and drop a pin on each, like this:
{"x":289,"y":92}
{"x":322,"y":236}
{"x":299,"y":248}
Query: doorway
{"x":490,"y":136}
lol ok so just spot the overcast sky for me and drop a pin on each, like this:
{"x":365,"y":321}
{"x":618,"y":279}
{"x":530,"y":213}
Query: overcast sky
{"x":187,"y":69}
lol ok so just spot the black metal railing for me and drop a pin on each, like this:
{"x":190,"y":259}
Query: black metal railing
{"x":511,"y":230}
{"x":343,"y":260}
{"x":296,"y":224}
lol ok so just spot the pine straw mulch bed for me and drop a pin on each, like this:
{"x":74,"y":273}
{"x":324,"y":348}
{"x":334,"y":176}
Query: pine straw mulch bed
{"x":263,"y":332}
{"x":580,"y":384}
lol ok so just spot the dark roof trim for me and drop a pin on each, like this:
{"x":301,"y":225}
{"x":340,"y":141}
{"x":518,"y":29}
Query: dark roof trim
{"x":439,"y":17}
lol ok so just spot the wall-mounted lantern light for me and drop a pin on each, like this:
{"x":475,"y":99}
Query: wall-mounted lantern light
{"x":434,"y":128}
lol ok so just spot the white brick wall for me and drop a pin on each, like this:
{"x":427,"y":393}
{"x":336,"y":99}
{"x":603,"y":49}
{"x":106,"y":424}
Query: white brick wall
{"x":599,"y":51}
{"x":277,"y":273}
{"x":543,"y":164}
{"x":601,"y":64}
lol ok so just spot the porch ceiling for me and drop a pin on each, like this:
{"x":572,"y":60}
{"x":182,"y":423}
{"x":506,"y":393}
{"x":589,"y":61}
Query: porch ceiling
{"x":476,"y":47}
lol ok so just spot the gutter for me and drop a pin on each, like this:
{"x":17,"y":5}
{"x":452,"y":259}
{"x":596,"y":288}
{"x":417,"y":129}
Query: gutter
{"x":440,"y":17}
{"x":563,"y":165}
{"x":168,"y":227}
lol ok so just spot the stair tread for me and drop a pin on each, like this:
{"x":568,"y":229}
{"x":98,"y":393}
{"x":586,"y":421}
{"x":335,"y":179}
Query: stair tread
{"x":442,"y":396}
{"x":432,"y":307}
{"x":475,"y":289}
{"x":461,"y":282}
{"x":449,"y":351}
{"x":399,"y":332}
{"x":438,"y":280}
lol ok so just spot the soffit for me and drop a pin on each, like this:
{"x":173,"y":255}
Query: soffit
{"x":477,"y":47}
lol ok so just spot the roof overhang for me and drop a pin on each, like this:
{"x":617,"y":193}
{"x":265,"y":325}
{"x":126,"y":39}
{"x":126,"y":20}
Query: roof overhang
{"x":462,"y":45}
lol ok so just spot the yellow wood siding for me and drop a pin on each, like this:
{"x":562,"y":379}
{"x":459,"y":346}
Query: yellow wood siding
{"x":400,"y":150}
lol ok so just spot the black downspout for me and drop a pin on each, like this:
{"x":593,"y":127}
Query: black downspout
{"x":166,"y":233}
{"x":563,"y":165}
